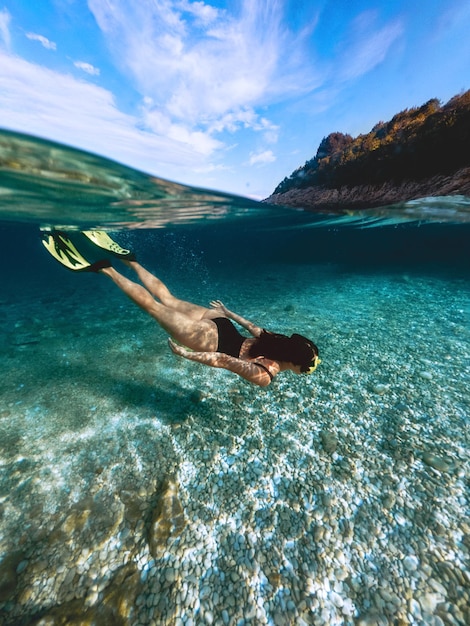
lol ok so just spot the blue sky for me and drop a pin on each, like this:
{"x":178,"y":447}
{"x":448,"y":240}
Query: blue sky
{"x":225,"y":95}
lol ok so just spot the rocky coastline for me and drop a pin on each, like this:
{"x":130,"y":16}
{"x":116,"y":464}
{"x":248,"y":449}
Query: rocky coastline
{"x":420,"y":153}
{"x":348,"y":198}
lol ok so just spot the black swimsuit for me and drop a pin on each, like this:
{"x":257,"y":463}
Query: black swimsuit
{"x":230,"y":340}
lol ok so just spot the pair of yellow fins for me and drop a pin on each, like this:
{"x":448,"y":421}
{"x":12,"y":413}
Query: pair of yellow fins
{"x":59,"y":245}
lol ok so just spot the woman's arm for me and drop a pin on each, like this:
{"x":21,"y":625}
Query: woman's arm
{"x":253,"y":329}
{"x":246,"y":369}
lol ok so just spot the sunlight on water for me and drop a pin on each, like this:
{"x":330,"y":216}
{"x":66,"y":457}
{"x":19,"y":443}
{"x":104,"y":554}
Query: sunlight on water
{"x":139,"y":488}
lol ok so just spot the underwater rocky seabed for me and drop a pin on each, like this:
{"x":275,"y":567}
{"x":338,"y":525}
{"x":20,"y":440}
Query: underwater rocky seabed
{"x":139,"y":488}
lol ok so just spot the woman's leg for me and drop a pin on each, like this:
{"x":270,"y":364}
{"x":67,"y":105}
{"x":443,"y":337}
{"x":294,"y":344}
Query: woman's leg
{"x":200,"y":335}
{"x":161,"y":291}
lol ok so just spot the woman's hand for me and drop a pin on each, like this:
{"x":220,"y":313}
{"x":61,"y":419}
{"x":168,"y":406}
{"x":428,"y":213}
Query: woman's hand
{"x":218,"y":304}
{"x":208,"y":358}
{"x":177,"y":349}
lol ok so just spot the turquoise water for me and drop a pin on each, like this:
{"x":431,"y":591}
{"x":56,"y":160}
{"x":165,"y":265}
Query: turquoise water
{"x":140,"y":488}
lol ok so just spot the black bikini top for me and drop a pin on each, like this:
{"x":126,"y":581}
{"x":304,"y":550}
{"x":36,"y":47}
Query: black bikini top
{"x":271,"y":376}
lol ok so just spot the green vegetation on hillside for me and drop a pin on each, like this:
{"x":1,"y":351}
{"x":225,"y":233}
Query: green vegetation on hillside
{"x":415,"y":144}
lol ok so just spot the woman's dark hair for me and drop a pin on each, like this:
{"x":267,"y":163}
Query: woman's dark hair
{"x":295,"y":349}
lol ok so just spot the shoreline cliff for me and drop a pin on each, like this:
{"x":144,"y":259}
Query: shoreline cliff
{"x":421,"y":152}
{"x":358,"y":197}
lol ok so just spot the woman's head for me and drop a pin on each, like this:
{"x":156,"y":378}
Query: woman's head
{"x":295,"y":349}
{"x":306,"y":353}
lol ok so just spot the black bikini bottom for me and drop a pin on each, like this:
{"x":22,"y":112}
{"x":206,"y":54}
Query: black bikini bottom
{"x":230,"y":340}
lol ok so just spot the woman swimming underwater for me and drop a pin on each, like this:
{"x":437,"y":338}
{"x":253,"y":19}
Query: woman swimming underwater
{"x":201,"y":334}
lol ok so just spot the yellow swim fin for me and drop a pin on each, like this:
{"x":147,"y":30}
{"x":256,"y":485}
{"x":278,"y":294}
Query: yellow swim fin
{"x":101,"y":239}
{"x":64,"y":251}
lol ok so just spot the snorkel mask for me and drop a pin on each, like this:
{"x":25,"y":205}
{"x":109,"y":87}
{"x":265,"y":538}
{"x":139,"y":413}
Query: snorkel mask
{"x":313,"y":366}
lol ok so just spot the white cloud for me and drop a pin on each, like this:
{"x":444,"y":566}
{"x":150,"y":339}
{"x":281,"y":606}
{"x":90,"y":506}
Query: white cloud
{"x":58,"y":106}
{"x":454,"y":16}
{"x":245,"y":118}
{"x":44,"y":41}
{"x":87,"y":67}
{"x":212,"y":73}
{"x":204,"y":13}
{"x":5,"y":18}
{"x":262,"y":157}
{"x":367,"y":45}
{"x":159,"y":123}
